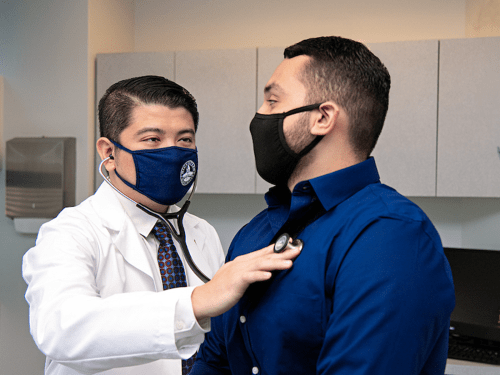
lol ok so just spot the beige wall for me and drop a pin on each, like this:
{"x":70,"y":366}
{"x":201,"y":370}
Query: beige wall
{"x":218,"y":24}
{"x":482,"y":18}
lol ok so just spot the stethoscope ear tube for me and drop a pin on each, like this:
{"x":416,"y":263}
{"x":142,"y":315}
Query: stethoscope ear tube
{"x":180,"y":236}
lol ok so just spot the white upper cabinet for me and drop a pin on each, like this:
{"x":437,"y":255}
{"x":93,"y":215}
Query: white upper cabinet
{"x":469,"y":118}
{"x":224,"y":85}
{"x":432,"y":144}
{"x":406,"y":150}
{"x":114,"y":67}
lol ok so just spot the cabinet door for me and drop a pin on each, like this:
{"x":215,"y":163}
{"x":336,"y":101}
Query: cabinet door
{"x":469,"y":118}
{"x":223,"y":83}
{"x":113,"y":67}
{"x":268,"y":61}
{"x":406,"y":150}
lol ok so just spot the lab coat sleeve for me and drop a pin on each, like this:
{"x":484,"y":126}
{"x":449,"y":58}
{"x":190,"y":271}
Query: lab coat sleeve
{"x":73,"y":325}
{"x":393,"y":296}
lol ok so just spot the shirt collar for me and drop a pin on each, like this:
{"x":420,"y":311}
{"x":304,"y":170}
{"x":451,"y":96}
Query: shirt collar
{"x":331,"y":189}
{"x":334,"y":188}
{"x":141,"y":220}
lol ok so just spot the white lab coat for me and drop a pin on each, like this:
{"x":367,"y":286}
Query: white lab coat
{"x":93,"y":298}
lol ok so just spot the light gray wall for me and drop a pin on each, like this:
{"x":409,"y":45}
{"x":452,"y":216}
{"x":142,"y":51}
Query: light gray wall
{"x":43,"y":59}
{"x":227,"y":212}
{"x":472,"y":223}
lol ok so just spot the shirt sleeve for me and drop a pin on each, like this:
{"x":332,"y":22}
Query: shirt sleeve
{"x":392,"y":300}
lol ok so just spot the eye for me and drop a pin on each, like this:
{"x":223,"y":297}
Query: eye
{"x":186,"y":140}
{"x":152,"y":140}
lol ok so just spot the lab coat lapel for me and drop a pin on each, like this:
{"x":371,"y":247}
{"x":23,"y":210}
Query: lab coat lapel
{"x":130,"y":244}
{"x":195,"y":240}
{"x":124,"y":235}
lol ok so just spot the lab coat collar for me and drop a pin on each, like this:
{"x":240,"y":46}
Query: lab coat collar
{"x":141,"y":220}
{"x":125,"y":235}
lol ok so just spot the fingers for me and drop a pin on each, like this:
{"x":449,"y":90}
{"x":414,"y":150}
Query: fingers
{"x":289,"y":253}
{"x":267,"y":253}
{"x":231,"y":281}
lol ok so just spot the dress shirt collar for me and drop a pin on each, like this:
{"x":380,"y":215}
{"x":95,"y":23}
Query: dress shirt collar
{"x":141,"y":220}
{"x":331,"y":189}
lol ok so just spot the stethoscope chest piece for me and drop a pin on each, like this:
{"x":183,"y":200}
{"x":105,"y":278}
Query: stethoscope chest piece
{"x":283,"y":243}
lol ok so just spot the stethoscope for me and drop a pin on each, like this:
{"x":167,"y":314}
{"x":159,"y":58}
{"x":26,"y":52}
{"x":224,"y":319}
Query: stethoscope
{"x":179,"y":236}
{"x":283,"y":243}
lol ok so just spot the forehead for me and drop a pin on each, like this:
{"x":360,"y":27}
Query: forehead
{"x":147,"y":115}
{"x":286,"y":79}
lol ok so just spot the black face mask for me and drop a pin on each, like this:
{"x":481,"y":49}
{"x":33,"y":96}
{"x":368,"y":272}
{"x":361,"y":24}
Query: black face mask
{"x":274,"y":159}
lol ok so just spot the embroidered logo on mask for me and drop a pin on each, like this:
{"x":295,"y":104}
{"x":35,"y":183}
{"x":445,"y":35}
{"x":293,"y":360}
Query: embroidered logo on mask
{"x":188,"y":172}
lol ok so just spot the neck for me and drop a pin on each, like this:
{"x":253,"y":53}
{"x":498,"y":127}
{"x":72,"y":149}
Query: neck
{"x":321,"y":161}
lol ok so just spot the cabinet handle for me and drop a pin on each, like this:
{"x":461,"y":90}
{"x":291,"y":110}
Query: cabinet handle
{"x":498,"y":150}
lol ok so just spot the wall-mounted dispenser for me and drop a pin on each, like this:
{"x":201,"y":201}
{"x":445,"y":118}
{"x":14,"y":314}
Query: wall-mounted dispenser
{"x":40,"y":180}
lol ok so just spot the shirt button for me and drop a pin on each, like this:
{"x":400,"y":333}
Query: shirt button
{"x":255,"y":370}
{"x":179,"y":324}
{"x":243,"y":319}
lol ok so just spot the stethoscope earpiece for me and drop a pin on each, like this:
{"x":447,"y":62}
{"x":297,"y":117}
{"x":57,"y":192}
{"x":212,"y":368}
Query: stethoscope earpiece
{"x":284,"y":243}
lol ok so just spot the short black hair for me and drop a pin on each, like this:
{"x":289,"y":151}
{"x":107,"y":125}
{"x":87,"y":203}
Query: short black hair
{"x":116,"y":105}
{"x":348,"y":73}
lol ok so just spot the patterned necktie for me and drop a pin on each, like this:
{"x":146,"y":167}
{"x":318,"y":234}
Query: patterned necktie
{"x":172,"y":272}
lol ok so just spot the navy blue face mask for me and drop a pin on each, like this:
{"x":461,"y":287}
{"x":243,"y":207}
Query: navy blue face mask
{"x":164,"y":175}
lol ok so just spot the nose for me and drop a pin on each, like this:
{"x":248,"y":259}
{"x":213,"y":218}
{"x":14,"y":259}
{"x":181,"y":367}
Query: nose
{"x":169,"y":143}
{"x":262,"y":109}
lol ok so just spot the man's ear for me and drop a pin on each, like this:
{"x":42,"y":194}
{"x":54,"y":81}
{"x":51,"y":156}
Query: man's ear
{"x":325,"y":118}
{"x":105,"y":149}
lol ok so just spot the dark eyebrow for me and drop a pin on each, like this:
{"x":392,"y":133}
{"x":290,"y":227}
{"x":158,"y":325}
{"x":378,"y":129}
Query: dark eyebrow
{"x":154,"y":130}
{"x":272,"y":86}
{"x":186,"y":131}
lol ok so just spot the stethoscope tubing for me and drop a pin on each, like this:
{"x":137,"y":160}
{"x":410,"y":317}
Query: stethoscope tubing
{"x":180,"y":236}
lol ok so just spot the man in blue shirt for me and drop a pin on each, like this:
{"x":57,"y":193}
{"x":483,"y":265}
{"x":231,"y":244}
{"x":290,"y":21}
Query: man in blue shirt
{"x":371,"y":291}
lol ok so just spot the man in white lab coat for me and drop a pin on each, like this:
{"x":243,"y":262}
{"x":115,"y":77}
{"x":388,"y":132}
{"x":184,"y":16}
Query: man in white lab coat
{"x":93,"y":277}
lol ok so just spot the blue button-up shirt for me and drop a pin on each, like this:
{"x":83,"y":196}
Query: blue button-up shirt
{"x":371,"y":292}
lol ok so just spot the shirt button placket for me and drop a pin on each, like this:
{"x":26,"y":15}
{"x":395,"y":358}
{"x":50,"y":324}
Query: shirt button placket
{"x":243,"y":317}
